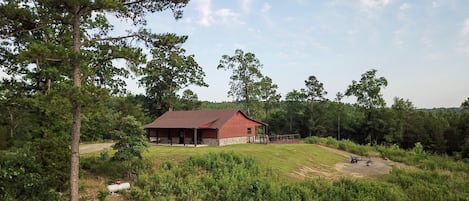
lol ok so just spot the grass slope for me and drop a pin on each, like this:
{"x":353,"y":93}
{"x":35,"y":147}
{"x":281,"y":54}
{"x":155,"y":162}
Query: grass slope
{"x":281,"y":158}
{"x":177,"y":171}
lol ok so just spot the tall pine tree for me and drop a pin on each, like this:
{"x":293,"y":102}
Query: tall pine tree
{"x":70,"y":43}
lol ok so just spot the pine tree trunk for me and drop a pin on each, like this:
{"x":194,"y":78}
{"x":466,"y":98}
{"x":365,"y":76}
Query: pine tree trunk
{"x":74,"y":160}
{"x":75,"y":139}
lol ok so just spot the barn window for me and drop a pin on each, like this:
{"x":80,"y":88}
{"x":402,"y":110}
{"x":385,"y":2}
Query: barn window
{"x":249,"y":130}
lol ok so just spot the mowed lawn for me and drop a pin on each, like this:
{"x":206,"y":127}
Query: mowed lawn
{"x":280,"y":158}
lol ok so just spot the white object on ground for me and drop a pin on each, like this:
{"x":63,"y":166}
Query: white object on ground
{"x":118,"y":187}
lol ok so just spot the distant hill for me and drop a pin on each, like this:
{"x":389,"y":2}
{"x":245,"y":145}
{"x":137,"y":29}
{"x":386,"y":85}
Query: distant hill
{"x":441,"y":109}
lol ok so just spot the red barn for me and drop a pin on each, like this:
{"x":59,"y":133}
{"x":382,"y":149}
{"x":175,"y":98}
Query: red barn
{"x":209,"y":127}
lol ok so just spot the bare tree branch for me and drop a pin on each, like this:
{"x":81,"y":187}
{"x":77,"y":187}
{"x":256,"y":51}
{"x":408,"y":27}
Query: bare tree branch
{"x":136,"y":35}
{"x":54,"y":59}
{"x":133,"y":2}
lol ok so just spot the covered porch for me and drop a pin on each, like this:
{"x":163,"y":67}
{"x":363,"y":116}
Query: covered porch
{"x":182,"y":136}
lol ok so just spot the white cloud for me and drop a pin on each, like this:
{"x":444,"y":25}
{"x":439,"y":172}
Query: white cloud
{"x":465,"y":28}
{"x":239,"y":46}
{"x":373,"y":8}
{"x":398,"y":39}
{"x":209,"y":17}
{"x":265,"y":13}
{"x":405,"y":6}
{"x":435,"y":4}
{"x":227,"y":15}
{"x":266,"y":8}
{"x":204,"y":7}
{"x":463,"y":44}
{"x":246,"y":5}
{"x":371,"y":4}
{"x":300,"y":2}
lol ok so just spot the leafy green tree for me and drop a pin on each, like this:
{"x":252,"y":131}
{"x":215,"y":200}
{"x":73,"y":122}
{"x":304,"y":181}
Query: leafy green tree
{"x":169,"y":71}
{"x":268,"y":94}
{"x":402,"y":111}
{"x":369,"y":97}
{"x":295,"y":106}
{"x":23,"y":178}
{"x":189,"y":100}
{"x":16,"y":118}
{"x":130,"y":145}
{"x":314,"y":92}
{"x":128,"y":105}
{"x":435,"y":127}
{"x":465,"y":148}
{"x":70,"y":42}
{"x":368,"y":90}
{"x":246,"y":75}
{"x":465,"y":104}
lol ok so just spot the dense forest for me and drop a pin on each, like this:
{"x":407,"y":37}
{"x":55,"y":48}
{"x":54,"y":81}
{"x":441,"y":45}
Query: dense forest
{"x":62,"y":87}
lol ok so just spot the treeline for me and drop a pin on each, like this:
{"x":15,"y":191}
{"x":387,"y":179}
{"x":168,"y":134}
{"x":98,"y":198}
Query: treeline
{"x":442,"y":131}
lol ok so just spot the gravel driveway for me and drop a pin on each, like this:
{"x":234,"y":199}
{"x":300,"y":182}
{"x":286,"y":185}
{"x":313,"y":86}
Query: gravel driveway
{"x":90,"y":148}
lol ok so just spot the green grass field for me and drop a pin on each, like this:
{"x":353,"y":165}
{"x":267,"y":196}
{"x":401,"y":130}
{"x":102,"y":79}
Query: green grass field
{"x":281,"y":158}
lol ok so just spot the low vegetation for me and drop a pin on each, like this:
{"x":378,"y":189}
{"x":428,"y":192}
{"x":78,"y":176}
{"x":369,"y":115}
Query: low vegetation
{"x":434,"y":177}
{"x":261,"y":172}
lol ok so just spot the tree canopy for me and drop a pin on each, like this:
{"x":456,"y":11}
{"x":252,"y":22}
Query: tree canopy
{"x":246,"y":74}
{"x":169,"y":71}
{"x":69,"y":46}
{"x":368,"y":90}
{"x":369,"y":97}
{"x":465,"y":104}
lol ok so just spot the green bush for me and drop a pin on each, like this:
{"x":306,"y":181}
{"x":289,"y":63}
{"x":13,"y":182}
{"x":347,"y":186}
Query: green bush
{"x":417,"y":157}
{"x":430,"y":185}
{"x":103,"y":165}
{"x":311,"y":140}
{"x":33,"y":173}
{"x":331,"y":142}
{"x":345,"y":145}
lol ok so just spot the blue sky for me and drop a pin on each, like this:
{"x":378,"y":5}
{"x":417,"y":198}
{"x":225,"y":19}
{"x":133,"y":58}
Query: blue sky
{"x":421,"y":47}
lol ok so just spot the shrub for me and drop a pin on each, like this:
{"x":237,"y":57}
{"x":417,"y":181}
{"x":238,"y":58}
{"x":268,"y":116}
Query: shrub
{"x":429,"y":185}
{"x":30,"y":174}
{"x":311,"y":140}
{"x":331,"y":142}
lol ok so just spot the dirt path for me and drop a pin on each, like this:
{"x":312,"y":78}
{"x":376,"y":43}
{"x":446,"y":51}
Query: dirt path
{"x":90,"y":148}
{"x":365,"y":167}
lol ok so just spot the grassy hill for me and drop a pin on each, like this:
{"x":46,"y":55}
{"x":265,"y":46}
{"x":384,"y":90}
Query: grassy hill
{"x":281,"y":158}
{"x":274,"y":172}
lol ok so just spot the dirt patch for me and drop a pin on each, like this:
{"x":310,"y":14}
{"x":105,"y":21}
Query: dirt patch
{"x":319,"y":171}
{"x":365,"y":167}
{"x":90,"y":148}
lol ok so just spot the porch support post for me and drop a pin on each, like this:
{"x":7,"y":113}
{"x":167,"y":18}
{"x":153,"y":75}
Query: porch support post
{"x":218,"y":137}
{"x":157,"y":136}
{"x":195,"y":137}
{"x":170,"y":136}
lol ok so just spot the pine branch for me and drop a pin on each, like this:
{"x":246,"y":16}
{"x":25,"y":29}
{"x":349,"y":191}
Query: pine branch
{"x":136,"y":35}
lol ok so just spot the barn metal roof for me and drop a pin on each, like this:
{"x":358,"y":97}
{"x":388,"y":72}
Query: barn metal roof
{"x":212,"y":119}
